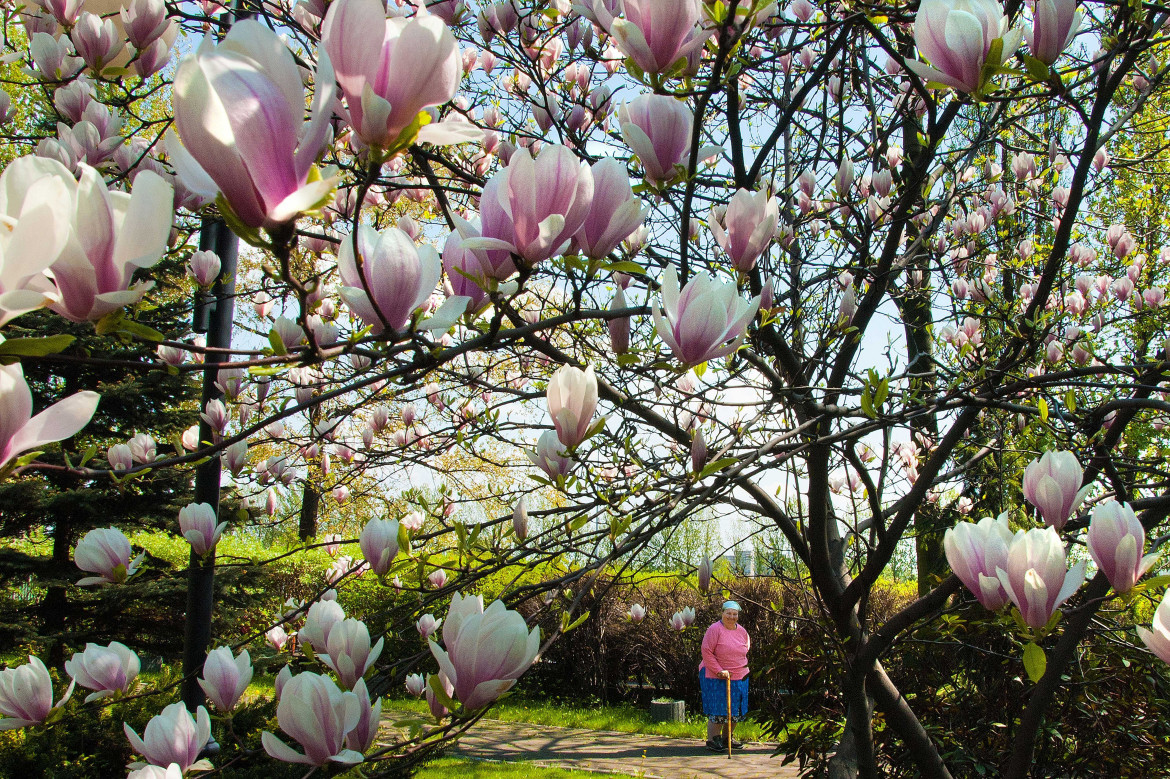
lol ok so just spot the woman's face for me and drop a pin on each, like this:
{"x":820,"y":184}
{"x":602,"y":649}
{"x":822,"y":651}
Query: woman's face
{"x":730,"y":617}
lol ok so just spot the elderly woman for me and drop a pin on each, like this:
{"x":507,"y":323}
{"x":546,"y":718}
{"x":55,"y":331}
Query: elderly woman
{"x":725,"y":648}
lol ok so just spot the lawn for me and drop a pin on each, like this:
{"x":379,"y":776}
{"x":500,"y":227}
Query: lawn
{"x":623,"y":718}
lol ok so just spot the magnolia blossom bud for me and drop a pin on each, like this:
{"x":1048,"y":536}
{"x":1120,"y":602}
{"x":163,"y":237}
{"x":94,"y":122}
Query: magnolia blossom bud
{"x":120,"y":457}
{"x":277,"y":637}
{"x":197,"y":524}
{"x":427,"y":625}
{"x":698,"y":452}
{"x":26,"y":695}
{"x":106,"y":670}
{"x":204,"y":267}
{"x":225,"y":678}
{"x":416,"y":684}
{"x":106,"y":552}
{"x":1053,"y":485}
{"x":1116,"y":539}
{"x":975,"y":551}
{"x":637,"y":613}
{"x":379,"y":544}
{"x":572,"y":400}
{"x":174,"y":736}
{"x":1036,"y":576}
{"x":705,"y":574}
{"x":520,"y":518}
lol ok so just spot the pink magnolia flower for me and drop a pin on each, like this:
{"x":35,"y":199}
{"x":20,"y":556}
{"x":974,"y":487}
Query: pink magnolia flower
{"x":486,"y":650}
{"x":390,"y":70}
{"x":173,"y":736}
{"x":26,"y":695}
{"x":655,"y":34}
{"x":1158,"y":639}
{"x":437,"y":578}
{"x":955,"y":37}
{"x":549,"y":456}
{"x":1116,"y":540}
{"x":96,"y":41}
{"x":238,"y":110}
{"x":533,"y":207}
{"x":438,"y":710}
{"x":104,"y":669}
{"x":277,"y":637}
{"x":1054,"y":24}
{"x":361,"y":738}
{"x":119,"y":457}
{"x":111,"y":235}
{"x":746,"y":228}
{"x":427,"y":625}
{"x":319,"y":716}
{"x":34,"y":199}
{"x":975,"y":551}
{"x":1036,"y":576}
{"x":614,"y":212}
{"x":145,"y":21}
{"x":106,"y":552}
{"x":416,"y":684}
{"x":225,"y":678}
{"x":467,"y":274}
{"x":379,"y":544}
{"x":322,"y":617}
{"x":657,"y":128}
{"x":198,"y":526}
{"x":204,"y":267}
{"x":399,"y":276}
{"x":706,"y":321}
{"x":572,"y":401}
{"x":637,"y":613}
{"x":1053,"y":485}
{"x":349,"y":652}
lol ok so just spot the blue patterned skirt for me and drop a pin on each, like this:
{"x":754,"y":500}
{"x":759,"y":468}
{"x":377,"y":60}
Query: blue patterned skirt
{"x":715,"y":697}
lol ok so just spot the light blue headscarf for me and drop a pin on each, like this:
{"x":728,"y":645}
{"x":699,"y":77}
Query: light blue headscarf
{"x":731,"y":605}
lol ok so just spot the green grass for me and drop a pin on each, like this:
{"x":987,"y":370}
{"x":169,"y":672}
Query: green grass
{"x":623,"y":718}
{"x":455,"y":768}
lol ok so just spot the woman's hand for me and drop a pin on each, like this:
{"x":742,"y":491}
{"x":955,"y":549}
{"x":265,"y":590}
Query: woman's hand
{"x":724,"y":674}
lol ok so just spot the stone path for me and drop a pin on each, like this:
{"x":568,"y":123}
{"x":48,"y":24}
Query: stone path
{"x":653,"y":757}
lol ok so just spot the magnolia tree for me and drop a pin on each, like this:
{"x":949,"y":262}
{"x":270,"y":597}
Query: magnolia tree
{"x":856,"y":272}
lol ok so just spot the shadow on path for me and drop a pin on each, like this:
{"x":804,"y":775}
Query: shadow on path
{"x":654,"y":757}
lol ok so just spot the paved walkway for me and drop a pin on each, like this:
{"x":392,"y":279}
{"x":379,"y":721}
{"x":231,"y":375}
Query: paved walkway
{"x":653,"y":757}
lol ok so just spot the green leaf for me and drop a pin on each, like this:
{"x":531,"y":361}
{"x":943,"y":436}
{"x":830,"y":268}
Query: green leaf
{"x":1070,"y":400}
{"x":277,"y":345}
{"x":565,"y":628}
{"x":139,"y":329}
{"x":14,"y":348}
{"x":718,"y":465}
{"x":627,"y":267}
{"x":1034,"y":661}
{"x":1042,"y":404}
{"x":440,"y":694}
{"x":867,"y":404}
{"x":883,"y":391}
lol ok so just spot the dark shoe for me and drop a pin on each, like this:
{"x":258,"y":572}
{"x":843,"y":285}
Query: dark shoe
{"x":716,"y":745}
{"x":736,"y":743}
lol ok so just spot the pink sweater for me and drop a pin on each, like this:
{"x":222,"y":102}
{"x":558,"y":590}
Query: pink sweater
{"x":725,"y":650}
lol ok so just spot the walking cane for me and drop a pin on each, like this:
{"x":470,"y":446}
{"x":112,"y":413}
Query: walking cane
{"x":729,"y":720}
